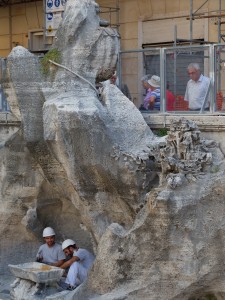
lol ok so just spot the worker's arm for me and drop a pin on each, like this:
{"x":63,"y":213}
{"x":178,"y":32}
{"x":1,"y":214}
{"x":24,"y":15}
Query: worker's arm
{"x":58,"y":263}
{"x":69,"y":262}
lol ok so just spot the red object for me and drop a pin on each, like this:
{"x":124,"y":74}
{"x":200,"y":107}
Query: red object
{"x":180,"y":104}
{"x":219,"y":100}
{"x":170,"y":100}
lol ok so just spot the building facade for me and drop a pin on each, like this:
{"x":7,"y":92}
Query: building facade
{"x":141,"y":23}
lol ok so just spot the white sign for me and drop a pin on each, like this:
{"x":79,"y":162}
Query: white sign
{"x":55,"y":5}
{"x":49,"y":5}
{"x":52,"y":22}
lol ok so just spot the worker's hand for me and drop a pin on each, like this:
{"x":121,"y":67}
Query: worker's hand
{"x":39,"y":259}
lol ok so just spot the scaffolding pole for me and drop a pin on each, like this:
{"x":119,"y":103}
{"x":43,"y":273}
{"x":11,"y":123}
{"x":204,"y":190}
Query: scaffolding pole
{"x":191,"y":21}
{"x":193,"y":16}
{"x":219,"y":55}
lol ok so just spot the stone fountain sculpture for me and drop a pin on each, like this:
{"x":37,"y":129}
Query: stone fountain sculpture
{"x":151,"y":208}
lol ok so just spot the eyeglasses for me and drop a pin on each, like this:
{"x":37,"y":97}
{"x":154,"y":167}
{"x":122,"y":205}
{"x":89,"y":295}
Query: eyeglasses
{"x":191,"y":73}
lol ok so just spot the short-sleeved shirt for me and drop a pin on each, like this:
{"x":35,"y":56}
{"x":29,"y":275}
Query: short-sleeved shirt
{"x":51,"y":254}
{"x":156,"y":94}
{"x":196,"y":92}
{"x":86,"y":257}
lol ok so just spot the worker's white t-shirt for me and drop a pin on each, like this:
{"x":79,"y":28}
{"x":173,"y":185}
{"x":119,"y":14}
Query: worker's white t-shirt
{"x":78,"y":271}
{"x":86,"y":257}
{"x":196,"y":92}
{"x":51,"y":254}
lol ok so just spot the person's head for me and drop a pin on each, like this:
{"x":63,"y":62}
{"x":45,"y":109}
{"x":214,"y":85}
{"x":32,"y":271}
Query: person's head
{"x":113,"y":78}
{"x":144,"y":81}
{"x":154,"y":82}
{"x":49,"y":236}
{"x":194,"y":71}
{"x":68,"y":247}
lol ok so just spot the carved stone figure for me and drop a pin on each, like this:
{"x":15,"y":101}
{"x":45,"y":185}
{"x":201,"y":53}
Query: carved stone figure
{"x":185,"y":153}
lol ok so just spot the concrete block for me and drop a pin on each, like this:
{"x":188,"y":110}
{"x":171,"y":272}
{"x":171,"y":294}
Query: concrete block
{"x":36,"y":272}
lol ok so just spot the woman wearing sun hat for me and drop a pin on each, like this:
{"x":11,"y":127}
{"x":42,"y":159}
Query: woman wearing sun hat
{"x":154,"y":99}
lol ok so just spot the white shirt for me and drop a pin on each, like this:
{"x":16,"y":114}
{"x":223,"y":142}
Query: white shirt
{"x":196,"y":92}
{"x":51,"y":254}
{"x":86,"y":257}
{"x":78,"y":271}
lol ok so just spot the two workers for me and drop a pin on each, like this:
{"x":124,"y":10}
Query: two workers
{"x":79,"y":260}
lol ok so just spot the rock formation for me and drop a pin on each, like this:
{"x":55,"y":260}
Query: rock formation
{"x":151,"y":209}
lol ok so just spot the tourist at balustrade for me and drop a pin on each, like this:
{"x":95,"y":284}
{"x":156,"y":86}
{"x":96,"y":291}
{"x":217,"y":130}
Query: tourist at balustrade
{"x":197,"y":88}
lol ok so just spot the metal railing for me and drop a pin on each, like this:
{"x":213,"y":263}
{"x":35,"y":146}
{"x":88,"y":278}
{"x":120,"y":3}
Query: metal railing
{"x":4,"y":106}
{"x":171,"y":65}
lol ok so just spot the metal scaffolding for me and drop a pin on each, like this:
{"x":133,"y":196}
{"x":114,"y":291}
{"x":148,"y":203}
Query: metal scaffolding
{"x":196,"y":15}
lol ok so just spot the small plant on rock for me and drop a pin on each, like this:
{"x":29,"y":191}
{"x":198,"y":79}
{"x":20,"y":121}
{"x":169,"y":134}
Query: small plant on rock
{"x":162,"y":132}
{"x":54,"y":55}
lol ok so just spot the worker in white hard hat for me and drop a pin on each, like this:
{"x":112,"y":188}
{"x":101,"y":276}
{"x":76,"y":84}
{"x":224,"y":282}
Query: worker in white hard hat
{"x":80,"y":262}
{"x":50,"y":253}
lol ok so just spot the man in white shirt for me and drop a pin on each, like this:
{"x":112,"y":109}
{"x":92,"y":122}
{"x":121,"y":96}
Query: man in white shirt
{"x":50,"y":253}
{"x":197,"y":88}
{"x":79,"y":264}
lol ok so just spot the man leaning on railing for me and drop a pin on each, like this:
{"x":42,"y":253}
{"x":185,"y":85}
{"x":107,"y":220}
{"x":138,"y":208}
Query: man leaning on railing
{"x":197,"y":89}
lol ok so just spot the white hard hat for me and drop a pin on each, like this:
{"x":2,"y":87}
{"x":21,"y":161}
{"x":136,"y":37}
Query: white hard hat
{"x":48,"y":231}
{"x":68,"y":243}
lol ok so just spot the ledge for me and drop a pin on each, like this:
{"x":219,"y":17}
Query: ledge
{"x":8,"y":119}
{"x":205,"y":122}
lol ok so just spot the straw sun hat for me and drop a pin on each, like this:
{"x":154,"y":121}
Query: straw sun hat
{"x":154,"y":81}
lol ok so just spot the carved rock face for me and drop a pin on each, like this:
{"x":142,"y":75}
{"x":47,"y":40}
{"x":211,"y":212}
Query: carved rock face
{"x":92,"y":166}
{"x":86,"y":47}
{"x":103,"y":157}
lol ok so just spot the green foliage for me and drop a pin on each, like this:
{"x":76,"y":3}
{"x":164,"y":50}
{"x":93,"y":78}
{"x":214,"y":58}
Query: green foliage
{"x":162,"y":132}
{"x":52,"y":54}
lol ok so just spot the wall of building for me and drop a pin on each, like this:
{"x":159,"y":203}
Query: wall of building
{"x":15,"y":23}
{"x":17,"y":20}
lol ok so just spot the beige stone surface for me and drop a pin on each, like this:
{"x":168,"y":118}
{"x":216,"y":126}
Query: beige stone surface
{"x":160,"y":31}
{"x":5,"y":41}
{"x":90,"y":167}
{"x":4,"y":25}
